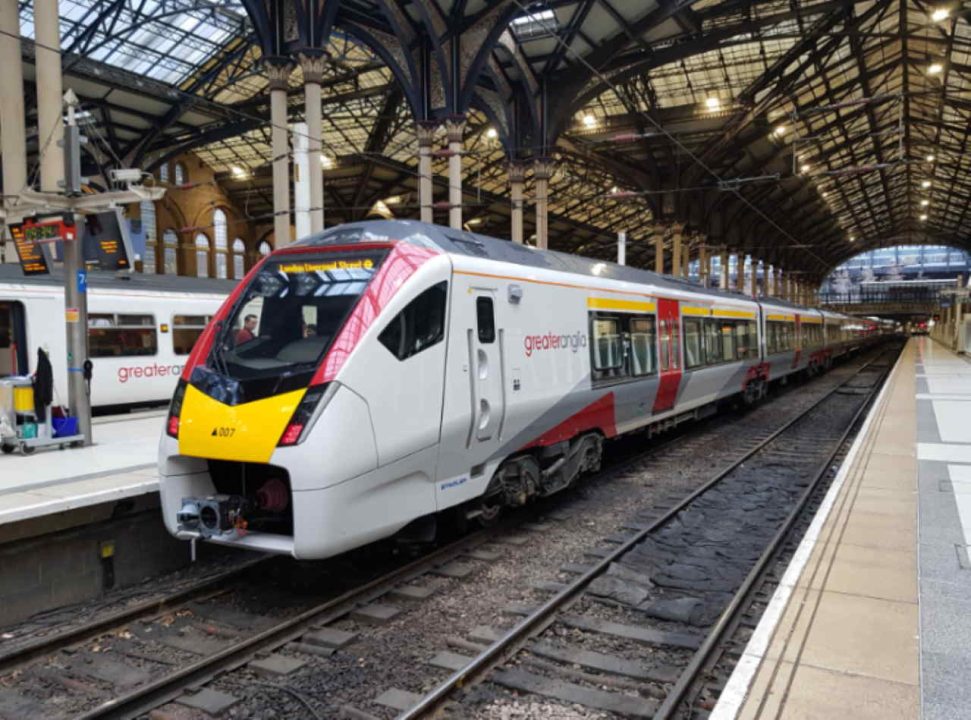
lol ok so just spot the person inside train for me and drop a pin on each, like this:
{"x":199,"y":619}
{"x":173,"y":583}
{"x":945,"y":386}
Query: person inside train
{"x":248,"y":332}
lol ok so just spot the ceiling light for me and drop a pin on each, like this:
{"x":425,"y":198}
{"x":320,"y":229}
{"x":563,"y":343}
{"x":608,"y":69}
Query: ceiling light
{"x":589,"y":121}
{"x":492,"y":133}
{"x":474,"y":221}
{"x":393,"y":200}
{"x":925,"y":203}
{"x":925,"y":184}
{"x":804,"y":168}
{"x":940,"y":14}
{"x":237,"y":171}
{"x":852,"y":238}
{"x":935,"y":69}
{"x":614,"y":190}
{"x":923,"y":217}
{"x":326,"y":162}
{"x":930,"y":158}
{"x":713,"y":103}
{"x":780,"y":130}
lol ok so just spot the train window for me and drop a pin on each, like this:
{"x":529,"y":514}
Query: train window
{"x":186,"y":329}
{"x":643,"y":346}
{"x":746,"y":341}
{"x":712,"y":341}
{"x":726,"y":341}
{"x":419,"y":326}
{"x":693,"y":346}
{"x":128,"y":335}
{"x":485,"y":317}
{"x":675,"y":345}
{"x":607,"y":349}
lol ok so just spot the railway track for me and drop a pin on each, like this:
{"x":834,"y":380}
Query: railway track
{"x":653,"y":617}
{"x":135,"y":660}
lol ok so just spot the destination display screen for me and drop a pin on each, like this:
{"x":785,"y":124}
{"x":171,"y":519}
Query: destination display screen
{"x":105,"y":242}
{"x":33,"y":258}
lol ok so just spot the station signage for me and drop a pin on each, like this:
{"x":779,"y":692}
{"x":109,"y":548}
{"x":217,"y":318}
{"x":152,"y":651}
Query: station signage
{"x":104,"y":237}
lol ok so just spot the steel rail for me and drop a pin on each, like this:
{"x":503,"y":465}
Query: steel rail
{"x":146,"y":698}
{"x":98,"y":626}
{"x":544,"y":612}
{"x":739,"y":599}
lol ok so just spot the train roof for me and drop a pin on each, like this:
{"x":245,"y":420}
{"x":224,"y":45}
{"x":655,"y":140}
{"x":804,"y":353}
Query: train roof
{"x":11,"y":273}
{"x":461,"y":242}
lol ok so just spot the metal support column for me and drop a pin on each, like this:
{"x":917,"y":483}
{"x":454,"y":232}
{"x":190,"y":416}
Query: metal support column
{"x":426,"y":136}
{"x":313,"y":71}
{"x":740,"y":272}
{"x":542,"y":172}
{"x":278,"y":74}
{"x":704,"y":265}
{"x":659,"y":254}
{"x":686,"y":260}
{"x":517,"y":179}
{"x":454,"y":128}
{"x":677,"y":253}
{"x":754,"y":278}
{"x":723,"y":270}
{"x":13,"y":139}
{"x":622,"y":248}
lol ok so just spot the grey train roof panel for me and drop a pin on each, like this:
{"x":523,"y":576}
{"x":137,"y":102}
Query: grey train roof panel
{"x":11,"y":273}
{"x":465,"y":243}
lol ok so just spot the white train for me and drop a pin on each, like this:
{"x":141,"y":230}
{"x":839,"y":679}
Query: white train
{"x":383,"y":372}
{"x":140,"y":330}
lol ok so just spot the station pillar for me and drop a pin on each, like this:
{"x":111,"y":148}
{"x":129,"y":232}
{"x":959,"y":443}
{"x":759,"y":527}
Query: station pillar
{"x":455,"y":128}
{"x":754,"y":277}
{"x":13,"y":137}
{"x":740,"y":272}
{"x":542,"y":172}
{"x":426,"y":136}
{"x":517,"y":180}
{"x":659,"y":254}
{"x":686,"y":261}
{"x":278,"y":74}
{"x":677,"y":254}
{"x":704,"y":265}
{"x":313,"y":72}
{"x":723,"y":270}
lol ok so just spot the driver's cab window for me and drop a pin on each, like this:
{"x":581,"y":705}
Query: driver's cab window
{"x":419,"y":326}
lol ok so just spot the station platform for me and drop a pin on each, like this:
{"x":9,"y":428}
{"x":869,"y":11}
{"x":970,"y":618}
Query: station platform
{"x":120,"y":464}
{"x":872,"y":619}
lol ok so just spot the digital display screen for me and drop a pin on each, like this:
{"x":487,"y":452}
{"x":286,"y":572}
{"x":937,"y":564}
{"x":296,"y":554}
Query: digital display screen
{"x":104,"y":241}
{"x":33,"y":259}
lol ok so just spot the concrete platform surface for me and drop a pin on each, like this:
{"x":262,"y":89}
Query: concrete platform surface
{"x":121,"y":464}
{"x":873,"y":616}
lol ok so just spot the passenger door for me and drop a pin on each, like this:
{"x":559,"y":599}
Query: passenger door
{"x":669,"y":338}
{"x":485,"y":360}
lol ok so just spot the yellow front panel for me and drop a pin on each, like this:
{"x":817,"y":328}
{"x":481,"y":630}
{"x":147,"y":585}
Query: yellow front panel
{"x":247,"y":432}
{"x":701,"y":312}
{"x":628,"y":305}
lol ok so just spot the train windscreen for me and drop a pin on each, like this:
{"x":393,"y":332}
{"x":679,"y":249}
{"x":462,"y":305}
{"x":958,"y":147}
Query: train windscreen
{"x":283,"y":323}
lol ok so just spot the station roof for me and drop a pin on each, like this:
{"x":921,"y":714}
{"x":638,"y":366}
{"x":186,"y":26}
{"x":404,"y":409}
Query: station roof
{"x":800,"y":132}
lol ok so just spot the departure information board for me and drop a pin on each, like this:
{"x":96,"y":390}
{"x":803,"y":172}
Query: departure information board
{"x":33,"y":257}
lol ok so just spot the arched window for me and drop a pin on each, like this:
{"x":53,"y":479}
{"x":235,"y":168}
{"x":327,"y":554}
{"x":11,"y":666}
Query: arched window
{"x":180,"y":175}
{"x":265,"y":248}
{"x":222,"y":250}
{"x":170,"y":253}
{"x":202,"y":255}
{"x":163,"y":172}
{"x":147,"y":211}
{"x":239,"y":258}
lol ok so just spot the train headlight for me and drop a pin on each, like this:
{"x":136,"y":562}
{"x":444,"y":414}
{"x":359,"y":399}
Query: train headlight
{"x":175,"y":410}
{"x":313,"y":403}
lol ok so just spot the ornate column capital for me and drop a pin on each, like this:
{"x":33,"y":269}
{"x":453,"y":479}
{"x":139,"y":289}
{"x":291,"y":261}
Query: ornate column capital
{"x":517,"y":171}
{"x":543,"y":168}
{"x":455,"y":128}
{"x":313,"y":65}
{"x":278,"y":72}
{"x":425,"y":130}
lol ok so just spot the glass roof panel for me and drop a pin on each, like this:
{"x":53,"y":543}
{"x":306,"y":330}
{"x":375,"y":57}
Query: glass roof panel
{"x":167,"y":42}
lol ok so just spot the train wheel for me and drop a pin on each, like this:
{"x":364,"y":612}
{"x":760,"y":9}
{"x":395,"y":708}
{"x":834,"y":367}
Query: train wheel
{"x":487,"y":510}
{"x":7,"y":449}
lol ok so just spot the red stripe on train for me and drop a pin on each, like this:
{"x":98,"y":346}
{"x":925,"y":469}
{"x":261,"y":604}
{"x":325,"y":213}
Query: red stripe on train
{"x":598,"y":415}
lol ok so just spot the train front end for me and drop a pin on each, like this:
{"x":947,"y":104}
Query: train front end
{"x":259,"y":412}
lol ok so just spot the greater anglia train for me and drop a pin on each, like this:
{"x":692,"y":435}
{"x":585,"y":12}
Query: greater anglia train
{"x":385,"y":371}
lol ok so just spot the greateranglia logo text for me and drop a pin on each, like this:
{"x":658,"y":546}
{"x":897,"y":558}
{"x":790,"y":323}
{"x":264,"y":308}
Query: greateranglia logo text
{"x":137,"y":372}
{"x":554,"y":341}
